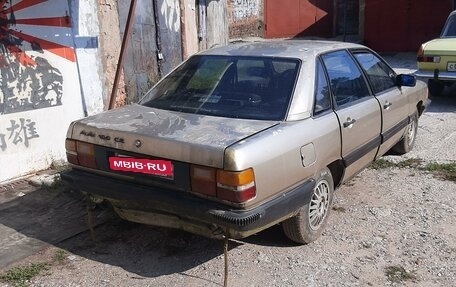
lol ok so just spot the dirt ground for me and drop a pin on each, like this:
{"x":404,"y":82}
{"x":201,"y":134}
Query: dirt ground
{"x":390,"y":226}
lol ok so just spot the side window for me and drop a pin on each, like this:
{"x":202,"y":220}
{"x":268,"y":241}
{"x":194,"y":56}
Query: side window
{"x":322,"y":97}
{"x":346,"y":80}
{"x":380,"y":75}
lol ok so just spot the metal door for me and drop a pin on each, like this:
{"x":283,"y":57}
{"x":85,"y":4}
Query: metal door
{"x":287,"y":18}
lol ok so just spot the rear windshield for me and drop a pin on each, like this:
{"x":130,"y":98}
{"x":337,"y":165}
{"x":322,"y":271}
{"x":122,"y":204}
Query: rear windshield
{"x":450,"y":27}
{"x":228,"y":86}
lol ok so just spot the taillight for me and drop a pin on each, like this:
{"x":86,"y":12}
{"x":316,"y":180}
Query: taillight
{"x":203,"y":180}
{"x":234,"y":186}
{"x":427,"y":59}
{"x":80,"y":153}
{"x":72,"y":155}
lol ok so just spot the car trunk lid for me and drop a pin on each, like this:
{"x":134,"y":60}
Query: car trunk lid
{"x":441,"y":47}
{"x":190,"y":138}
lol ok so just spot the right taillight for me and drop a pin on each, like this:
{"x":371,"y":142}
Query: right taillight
{"x":233,"y":186}
{"x":236,"y":186}
{"x":80,"y":153}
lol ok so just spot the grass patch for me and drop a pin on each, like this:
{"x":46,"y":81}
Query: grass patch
{"x":339,"y":209}
{"x":446,"y":171}
{"x":21,"y":276}
{"x":397,"y":274}
{"x":410,"y":163}
{"x":384,"y":163}
{"x":59,"y":256}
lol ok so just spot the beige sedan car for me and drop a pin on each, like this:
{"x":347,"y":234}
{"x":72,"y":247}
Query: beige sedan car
{"x":242,"y":137}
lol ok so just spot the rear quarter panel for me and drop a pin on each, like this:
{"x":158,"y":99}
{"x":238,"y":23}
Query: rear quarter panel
{"x":275,"y":154}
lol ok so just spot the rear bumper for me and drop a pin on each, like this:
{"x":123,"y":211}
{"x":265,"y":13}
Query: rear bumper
{"x":182,"y":210}
{"x":437,"y":75}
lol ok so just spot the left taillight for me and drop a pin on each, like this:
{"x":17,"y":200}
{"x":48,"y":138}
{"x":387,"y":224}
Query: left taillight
{"x":80,"y":153}
{"x":426,"y":59}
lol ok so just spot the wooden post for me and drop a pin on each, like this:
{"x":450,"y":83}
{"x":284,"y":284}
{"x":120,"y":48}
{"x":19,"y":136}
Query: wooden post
{"x":112,"y":99}
{"x":217,"y":23}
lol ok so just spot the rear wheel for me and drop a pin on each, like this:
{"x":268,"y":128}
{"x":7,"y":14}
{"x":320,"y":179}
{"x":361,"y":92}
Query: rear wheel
{"x":310,"y":222}
{"x":408,"y":140}
{"x":435,"y":87}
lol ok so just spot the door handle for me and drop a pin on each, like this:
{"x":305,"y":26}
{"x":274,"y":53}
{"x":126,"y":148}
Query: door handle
{"x":387,"y":105}
{"x":349,"y":123}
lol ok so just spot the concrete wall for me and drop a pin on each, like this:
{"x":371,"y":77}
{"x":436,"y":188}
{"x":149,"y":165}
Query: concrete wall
{"x":245,"y":18}
{"x":45,"y":48}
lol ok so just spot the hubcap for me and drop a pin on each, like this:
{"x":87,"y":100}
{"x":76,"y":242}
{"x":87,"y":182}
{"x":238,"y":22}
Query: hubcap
{"x":411,"y":132}
{"x":319,"y":204}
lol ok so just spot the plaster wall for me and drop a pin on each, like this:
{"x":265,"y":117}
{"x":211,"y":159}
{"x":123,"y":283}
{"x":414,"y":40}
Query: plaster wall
{"x":44,"y":48}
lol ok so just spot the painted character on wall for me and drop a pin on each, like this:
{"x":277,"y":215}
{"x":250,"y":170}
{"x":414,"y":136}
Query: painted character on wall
{"x":26,"y":82}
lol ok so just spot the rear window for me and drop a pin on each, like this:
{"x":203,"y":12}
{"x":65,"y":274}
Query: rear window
{"x":228,"y":86}
{"x":450,"y":27}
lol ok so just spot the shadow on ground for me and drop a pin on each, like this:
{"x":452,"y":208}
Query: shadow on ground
{"x":40,"y":217}
{"x":445,"y":103}
{"x":31,"y":218}
{"x":150,"y":251}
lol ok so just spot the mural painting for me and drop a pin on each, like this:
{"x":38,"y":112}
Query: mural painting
{"x":27,"y":80}
{"x":20,"y":131}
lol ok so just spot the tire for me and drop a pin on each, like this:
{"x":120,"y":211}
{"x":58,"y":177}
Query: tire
{"x":435,"y":87}
{"x":408,"y":140}
{"x":306,"y":226}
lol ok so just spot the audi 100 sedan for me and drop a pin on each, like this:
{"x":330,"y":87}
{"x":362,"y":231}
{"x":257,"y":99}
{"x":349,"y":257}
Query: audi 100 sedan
{"x":242,"y":137}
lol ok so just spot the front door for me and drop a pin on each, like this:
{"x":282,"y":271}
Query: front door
{"x":393,"y":103}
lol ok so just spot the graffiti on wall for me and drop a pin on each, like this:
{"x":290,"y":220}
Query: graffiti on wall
{"x":18,"y":132}
{"x":27,"y":80}
{"x":245,"y":9}
{"x":169,"y":9}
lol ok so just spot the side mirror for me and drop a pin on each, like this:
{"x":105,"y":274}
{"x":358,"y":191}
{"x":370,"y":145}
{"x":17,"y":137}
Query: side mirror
{"x":405,"y":80}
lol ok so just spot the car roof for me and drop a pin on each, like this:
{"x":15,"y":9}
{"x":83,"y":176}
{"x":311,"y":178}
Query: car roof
{"x":299,"y":49}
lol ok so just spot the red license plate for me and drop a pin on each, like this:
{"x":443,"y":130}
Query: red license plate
{"x":148,"y":166}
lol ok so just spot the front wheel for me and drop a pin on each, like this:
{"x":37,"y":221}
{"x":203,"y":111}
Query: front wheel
{"x":306,"y":226}
{"x":408,"y":140}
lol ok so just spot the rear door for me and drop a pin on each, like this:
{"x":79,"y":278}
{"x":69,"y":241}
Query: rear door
{"x":393,"y":103}
{"x":357,"y":109}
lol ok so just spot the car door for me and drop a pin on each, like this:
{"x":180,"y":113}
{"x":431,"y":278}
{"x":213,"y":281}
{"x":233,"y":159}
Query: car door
{"x":382,"y":80}
{"x":357,"y":109}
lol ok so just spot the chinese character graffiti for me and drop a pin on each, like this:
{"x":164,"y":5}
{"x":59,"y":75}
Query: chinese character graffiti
{"x":18,"y":132}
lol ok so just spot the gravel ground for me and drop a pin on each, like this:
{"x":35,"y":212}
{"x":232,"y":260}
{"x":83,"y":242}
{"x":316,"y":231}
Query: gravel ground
{"x":389,"y":227}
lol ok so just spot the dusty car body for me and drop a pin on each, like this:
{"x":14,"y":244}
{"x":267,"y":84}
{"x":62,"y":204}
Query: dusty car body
{"x":437,"y":58}
{"x":242,"y":137}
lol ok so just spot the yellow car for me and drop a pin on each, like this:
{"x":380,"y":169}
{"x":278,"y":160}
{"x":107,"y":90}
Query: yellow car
{"x":437,"y":59}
